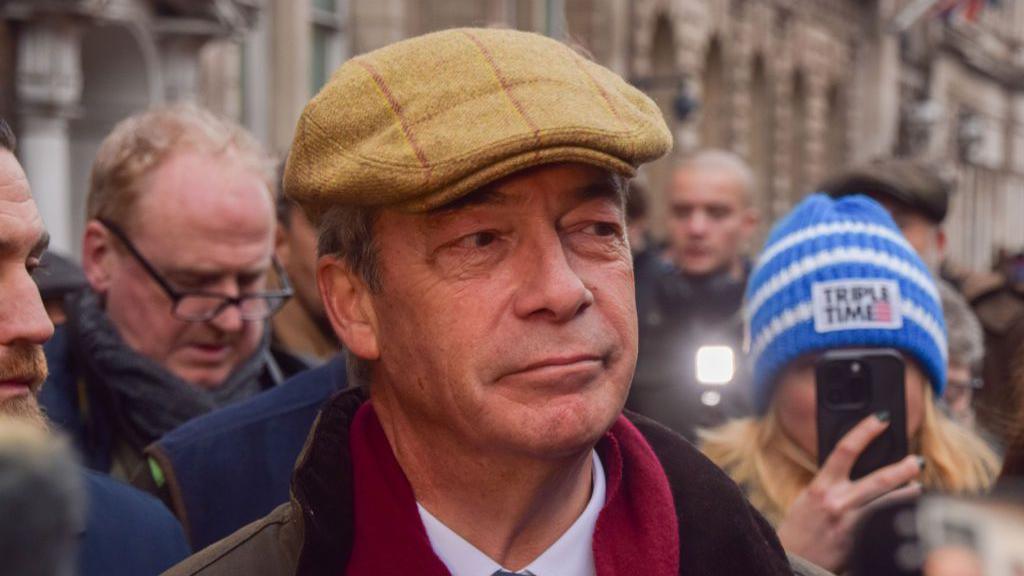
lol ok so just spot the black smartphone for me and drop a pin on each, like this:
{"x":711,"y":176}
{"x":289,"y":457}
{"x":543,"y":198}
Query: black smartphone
{"x":853,"y":384}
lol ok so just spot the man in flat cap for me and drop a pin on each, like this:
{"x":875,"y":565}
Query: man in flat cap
{"x":915,"y":195}
{"x":469,"y":190}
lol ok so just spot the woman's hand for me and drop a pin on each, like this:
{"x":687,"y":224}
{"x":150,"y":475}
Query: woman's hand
{"x":819,"y":524}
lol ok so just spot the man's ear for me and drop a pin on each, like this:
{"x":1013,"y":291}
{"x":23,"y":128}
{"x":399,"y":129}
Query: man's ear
{"x":940,"y":242}
{"x":97,"y":256}
{"x":349,"y":305}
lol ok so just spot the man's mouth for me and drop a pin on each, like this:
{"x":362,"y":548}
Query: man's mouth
{"x":565,"y":370}
{"x":16,"y":386}
{"x":210,"y":352}
{"x":562,"y":361}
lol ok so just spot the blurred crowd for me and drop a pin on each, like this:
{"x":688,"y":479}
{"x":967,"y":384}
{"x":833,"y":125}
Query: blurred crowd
{"x":199,"y":368}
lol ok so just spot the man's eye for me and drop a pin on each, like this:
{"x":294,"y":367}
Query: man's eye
{"x":478,"y":240}
{"x":604,"y":229}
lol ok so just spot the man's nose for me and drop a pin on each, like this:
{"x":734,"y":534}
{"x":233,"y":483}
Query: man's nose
{"x":229,"y":319}
{"x":697,"y":224}
{"x":550,"y":286}
{"x":23,"y":317}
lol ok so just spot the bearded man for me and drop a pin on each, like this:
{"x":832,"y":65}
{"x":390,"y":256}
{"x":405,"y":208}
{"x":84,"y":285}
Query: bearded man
{"x":126,"y":532}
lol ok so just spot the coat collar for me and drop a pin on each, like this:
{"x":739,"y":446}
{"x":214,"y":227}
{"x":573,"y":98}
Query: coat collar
{"x":324,"y":483}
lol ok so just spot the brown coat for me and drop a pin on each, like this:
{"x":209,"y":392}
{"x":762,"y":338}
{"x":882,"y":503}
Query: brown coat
{"x":999,"y":306}
{"x":719,"y":532}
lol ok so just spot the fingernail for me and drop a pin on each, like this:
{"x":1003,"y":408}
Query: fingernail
{"x":921,"y":462}
{"x":882,"y":415}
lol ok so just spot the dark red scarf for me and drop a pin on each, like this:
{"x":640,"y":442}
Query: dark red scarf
{"x":636,"y":528}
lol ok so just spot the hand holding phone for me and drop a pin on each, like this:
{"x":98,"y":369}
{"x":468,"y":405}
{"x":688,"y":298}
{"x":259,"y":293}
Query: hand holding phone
{"x":819,"y":524}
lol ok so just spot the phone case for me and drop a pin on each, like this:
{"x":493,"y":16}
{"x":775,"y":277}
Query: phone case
{"x":852,"y":385}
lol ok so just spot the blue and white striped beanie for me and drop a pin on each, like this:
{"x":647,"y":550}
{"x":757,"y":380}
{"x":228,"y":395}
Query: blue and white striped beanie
{"x":839,"y":274}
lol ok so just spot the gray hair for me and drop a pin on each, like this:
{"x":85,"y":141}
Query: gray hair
{"x":966,"y":340}
{"x":7,"y":139}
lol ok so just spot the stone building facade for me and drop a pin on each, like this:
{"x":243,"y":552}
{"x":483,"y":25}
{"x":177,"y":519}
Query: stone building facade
{"x":70,"y":69}
{"x":801,"y":88}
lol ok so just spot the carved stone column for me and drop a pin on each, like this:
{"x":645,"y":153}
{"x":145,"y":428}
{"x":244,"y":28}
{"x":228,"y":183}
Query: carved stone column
{"x":180,"y":63}
{"x":49,"y":87}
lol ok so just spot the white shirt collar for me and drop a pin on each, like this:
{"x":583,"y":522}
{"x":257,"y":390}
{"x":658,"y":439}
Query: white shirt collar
{"x":571,"y":555}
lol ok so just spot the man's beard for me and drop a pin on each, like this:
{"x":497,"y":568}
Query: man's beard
{"x":24,"y":362}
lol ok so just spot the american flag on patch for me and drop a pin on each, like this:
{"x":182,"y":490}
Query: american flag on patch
{"x":882,"y":311}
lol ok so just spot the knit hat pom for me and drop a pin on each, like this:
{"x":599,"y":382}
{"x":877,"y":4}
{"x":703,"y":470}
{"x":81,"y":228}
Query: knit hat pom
{"x":839,"y":274}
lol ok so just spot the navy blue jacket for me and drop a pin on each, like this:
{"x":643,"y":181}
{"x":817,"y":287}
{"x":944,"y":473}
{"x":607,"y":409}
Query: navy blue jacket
{"x":228,"y":468}
{"x":127,"y":532}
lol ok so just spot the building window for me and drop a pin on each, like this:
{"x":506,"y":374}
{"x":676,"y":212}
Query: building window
{"x":713,"y":117}
{"x":327,"y":51}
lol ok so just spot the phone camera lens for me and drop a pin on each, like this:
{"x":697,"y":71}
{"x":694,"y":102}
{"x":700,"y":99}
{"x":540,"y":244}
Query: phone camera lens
{"x":855,"y":367}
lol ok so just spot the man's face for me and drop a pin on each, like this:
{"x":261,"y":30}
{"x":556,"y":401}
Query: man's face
{"x":925,"y":236}
{"x":206,"y":223}
{"x":296,"y":250}
{"x":24,"y":325}
{"x":709,"y":221}
{"x":507,"y":321}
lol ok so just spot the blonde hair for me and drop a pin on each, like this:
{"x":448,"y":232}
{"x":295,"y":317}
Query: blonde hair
{"x":773,"y":470}
{"x":140,"y":144}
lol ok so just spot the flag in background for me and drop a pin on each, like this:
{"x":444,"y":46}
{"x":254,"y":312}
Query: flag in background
{"x":970,"y":9}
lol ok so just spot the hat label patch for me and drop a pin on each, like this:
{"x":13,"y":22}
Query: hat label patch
{"x":856,"y":305}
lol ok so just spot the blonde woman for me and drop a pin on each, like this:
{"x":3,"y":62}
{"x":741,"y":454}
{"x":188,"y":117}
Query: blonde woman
{"x":838,"y":274}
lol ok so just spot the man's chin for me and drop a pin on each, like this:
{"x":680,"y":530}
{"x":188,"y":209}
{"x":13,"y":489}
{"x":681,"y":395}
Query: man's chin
{"x":26,"y":409}
{"x":566,"y":430}
{"x":207,"y":378}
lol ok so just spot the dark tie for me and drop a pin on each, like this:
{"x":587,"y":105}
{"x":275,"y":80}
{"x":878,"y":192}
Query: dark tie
{"x":507,"y":573}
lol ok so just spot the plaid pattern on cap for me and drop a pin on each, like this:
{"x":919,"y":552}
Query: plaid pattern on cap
{"x":422,"y":122}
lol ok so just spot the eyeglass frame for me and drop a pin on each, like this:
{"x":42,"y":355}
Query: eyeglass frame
{"x":176,"y":296}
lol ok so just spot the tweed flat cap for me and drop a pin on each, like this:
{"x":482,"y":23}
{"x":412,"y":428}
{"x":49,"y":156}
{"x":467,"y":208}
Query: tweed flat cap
{"x":425,"y":121}
{"x":911,"y":182}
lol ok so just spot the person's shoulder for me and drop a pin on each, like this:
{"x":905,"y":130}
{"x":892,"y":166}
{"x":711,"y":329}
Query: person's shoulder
{"x":685,"y":466}
{"x":305,"y":391}
{"x":719,"y":531}
{"x":127,"y":531}
{"x":122,"y":508}
{"x":267,"y":546}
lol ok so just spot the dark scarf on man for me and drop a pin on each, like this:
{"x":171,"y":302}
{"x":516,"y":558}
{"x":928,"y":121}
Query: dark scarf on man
{"x":151,"y":401}
{"x":636,"y":531}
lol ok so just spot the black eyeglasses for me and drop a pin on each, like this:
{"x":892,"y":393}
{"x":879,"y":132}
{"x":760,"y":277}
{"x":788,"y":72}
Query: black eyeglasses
{"x":199,"y":306}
